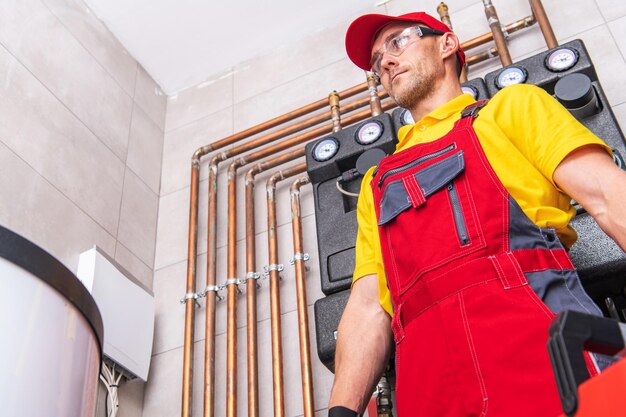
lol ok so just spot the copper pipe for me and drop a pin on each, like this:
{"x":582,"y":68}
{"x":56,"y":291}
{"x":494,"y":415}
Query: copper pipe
{"x":333,"y":100}
{"x":442,"y":9}
{"x":251,"y":303}
{"x":498,"y":35}
{"x":544,"y":23}
{"x":231,"y":344}
{"x":372,"y":83}
{"x":209,"y":346}
{"x":287,"y":117}
{"x":488,"y":37}
{"x":482,"y":56}
{"x":190,"y":293}
{"x":251,"y":287}
{"x":277,"y":348}
{"x":253,"y":407}
{"x":233,"y":289}
{"x":209,"y":375}
{"x":303,"y":315}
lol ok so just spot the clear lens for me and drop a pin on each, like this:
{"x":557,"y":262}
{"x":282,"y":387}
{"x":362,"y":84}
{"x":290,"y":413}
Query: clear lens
{"x":398,"y":44}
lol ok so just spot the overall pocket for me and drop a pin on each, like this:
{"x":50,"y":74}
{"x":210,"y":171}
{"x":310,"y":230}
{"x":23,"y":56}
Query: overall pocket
{"x":427,"y":218}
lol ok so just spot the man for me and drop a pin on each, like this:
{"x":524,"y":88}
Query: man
{"x":461,"y":254}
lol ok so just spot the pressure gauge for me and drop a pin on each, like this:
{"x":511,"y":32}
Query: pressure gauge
{"x":561,"y":59}
{"x":511,"y":75}
{"x":471,"y":90}
{"x":325,"y":149}
{"x":370,"y":132}
{"x":406,"y":117}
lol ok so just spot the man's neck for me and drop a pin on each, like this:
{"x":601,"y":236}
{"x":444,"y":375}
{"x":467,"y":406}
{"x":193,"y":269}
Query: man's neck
{"x":440,"y":96}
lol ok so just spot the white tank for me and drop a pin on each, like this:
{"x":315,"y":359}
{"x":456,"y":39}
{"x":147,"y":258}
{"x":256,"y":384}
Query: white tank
{"x":50,"y":335}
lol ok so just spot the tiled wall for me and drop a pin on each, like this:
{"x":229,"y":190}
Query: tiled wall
{"x":81,"y":140}
{"x":268,"y":86}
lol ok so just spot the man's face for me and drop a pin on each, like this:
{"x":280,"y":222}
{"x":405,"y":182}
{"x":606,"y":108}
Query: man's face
{"x":411,"y":76}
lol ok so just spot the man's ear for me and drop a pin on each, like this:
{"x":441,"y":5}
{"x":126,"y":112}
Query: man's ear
{"x":449,"y":44}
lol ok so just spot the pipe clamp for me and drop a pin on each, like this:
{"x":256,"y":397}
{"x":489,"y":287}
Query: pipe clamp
{"x":254,"y":275}
{"x":299,"y":257}
{"x":215,"y":289}
{"x":272,"y":267}
{"x":191,"y":296}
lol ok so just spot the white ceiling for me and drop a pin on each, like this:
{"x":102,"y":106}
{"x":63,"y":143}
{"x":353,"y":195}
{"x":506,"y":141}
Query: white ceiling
{"x":184,"y":42}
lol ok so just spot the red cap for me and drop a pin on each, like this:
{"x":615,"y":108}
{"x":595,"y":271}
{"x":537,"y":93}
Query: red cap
{"x":360,"y":34}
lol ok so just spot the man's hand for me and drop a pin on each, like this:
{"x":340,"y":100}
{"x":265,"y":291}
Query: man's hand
{"x":590,"y":177}
{"x":364,"y":341}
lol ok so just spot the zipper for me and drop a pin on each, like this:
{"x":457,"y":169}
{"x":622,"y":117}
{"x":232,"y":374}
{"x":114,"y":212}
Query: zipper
{"x":414,"y":163}
{"x":459,"y":220}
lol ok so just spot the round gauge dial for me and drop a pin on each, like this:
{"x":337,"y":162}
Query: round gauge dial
{"x":511,"y":75}
{"x":325,"y":149}
{"x":407,"y":118}
{"x":561,"y":59}
{"x":471,"y":90}
{"x":370,"y":132}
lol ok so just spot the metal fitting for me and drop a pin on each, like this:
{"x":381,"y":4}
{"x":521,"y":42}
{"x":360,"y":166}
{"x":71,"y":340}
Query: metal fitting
{"x":215,"y":289}
{"x":191,"y":296}
{"x":235,"y":281}
{"x":254,"y":275}
{"x":299,"y":257}
{"x":272,"y":267}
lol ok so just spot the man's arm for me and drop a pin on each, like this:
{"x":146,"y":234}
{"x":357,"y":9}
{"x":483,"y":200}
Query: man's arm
{"x":591,"y":178}
{"x":364,"y":341}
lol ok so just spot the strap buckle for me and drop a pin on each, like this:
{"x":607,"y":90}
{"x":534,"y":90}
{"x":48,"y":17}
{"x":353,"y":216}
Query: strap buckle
{"x":473,"y":109}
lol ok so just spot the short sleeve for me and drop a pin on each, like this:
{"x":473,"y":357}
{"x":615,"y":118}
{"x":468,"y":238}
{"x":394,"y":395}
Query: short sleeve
{"x":366,"y":244}
{"x":541,"y":128}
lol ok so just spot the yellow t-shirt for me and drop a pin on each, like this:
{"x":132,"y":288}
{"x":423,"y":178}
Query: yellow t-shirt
{"x":525,"y":134}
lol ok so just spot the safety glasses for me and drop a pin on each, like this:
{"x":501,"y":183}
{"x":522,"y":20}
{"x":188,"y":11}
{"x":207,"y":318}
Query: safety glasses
{"x":398,"y":44}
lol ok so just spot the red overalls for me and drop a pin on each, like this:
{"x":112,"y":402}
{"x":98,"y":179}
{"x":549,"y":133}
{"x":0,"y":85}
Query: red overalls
{"x":459,"y":254}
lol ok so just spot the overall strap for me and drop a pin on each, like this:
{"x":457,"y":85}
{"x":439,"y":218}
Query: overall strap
{"x":470,"y":113}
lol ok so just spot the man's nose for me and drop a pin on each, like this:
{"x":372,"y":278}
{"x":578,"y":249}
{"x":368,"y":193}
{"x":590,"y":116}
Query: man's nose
{"x":388,"y":62}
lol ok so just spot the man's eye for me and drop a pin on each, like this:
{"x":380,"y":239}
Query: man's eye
{"x":399,"y":42}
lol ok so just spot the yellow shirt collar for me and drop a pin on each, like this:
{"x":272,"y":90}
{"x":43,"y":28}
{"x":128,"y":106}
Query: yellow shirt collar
{"x":446,"y":110}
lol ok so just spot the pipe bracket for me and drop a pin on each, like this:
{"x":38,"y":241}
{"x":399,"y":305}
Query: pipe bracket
{"x":215,"y":289}
{"x":299,"y":257}
{"x":235,"y":281}
{"x":504,"y":31}
{"x":191,"y":296}
{"x":254,"y":275}
{"x":272,"y":267}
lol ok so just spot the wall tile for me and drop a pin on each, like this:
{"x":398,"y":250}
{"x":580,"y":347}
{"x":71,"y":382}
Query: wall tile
{"x":163,"y":388}
{"x":145,"y":149}
{"x":134,"y":265}
{"x":311,"y":87}
{"x":150,"y":98}
{"x":43,"y":45}
{"x":173,"y":225}
{"x":291,"y":62}
{"x":96,"y":38}
{"x":180,"y":144}
{"x":169,"y":287}
{"x":200,"y":101}
{"x":47,"y":136}
{"x":42,"y":214}
{"x":138,"y":216}
{"x":130,"y":394}
{"x":612,"y":9}
{"x":618,"y":30}
{"x":620,"y":115}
